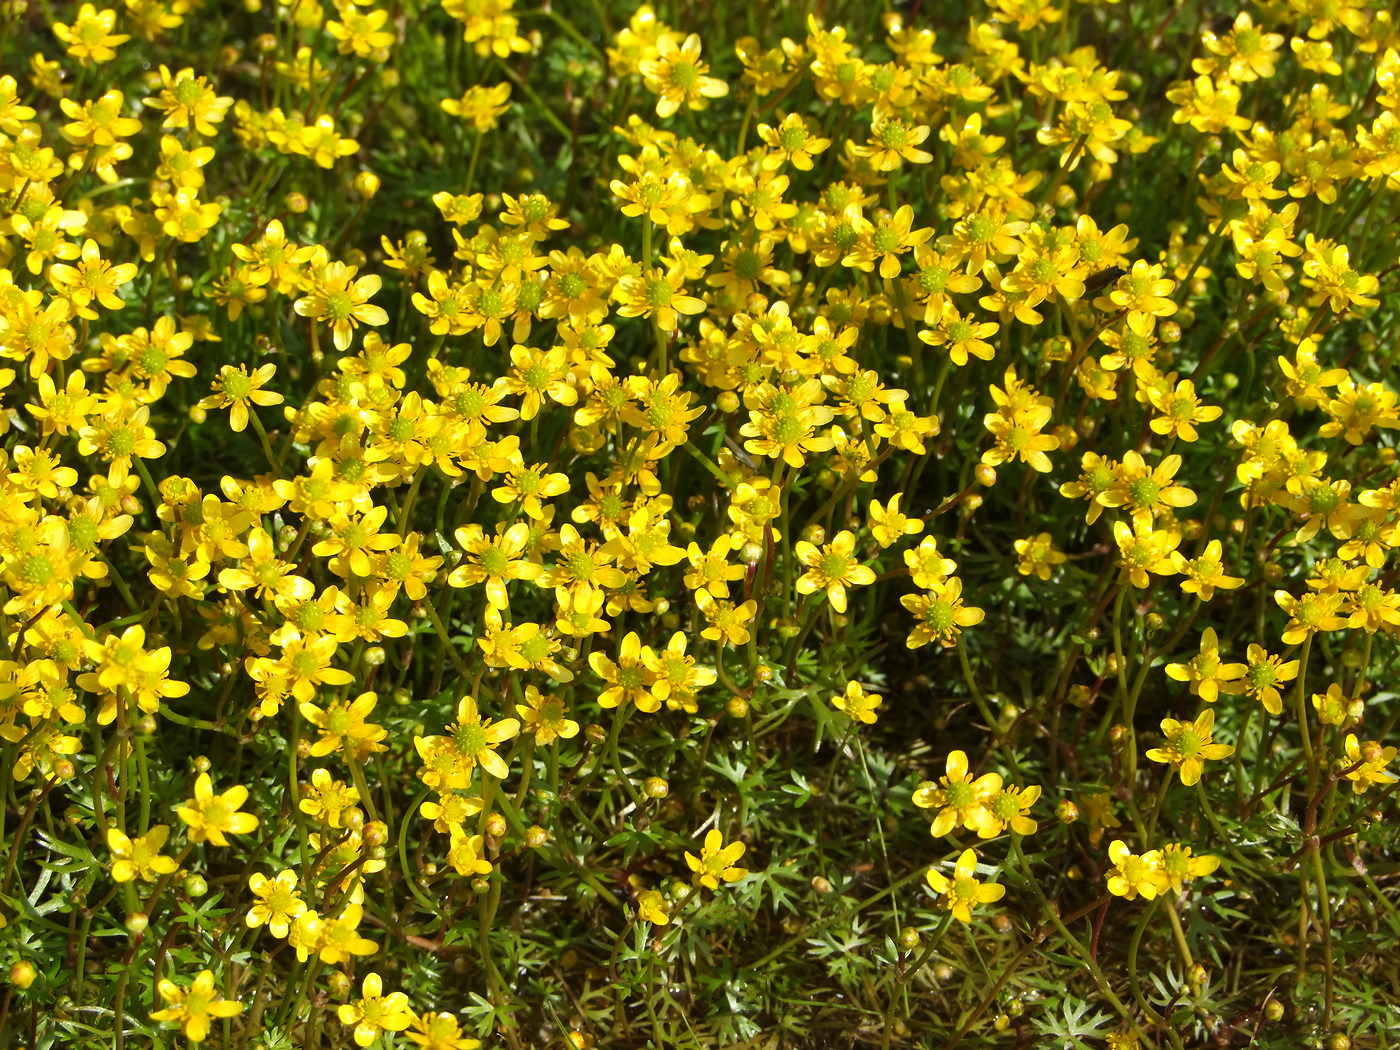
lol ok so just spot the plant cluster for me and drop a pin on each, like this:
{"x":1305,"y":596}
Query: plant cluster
{"x":699,"y":526}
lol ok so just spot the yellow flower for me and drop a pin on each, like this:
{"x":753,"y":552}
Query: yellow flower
{"x":1204,"y":573}
{"x":1309,"y":613}
{"x":940,"y":612}
{"x":188,"y":99}
{"x":1179,"y":411}
{"x":278,"y":904}
{"x":342,"y":300}
{"x":1189,"y":746}
{"x":343,"y":726}
{"x":1133,"y":875}
{"x":1205,"y":672}
{"x":725,"y":621}
{"x":1037,"y":554}
{"x":658,"y":294}
{"x":195,"y":1006}
{"x":439,"y":1031}
{"x":652,"y":908}
{"x":326,"y":798}
{"x":210,"y":816}
{"x":1180,"y":867}
{"x":140,"y":857}
{"x":482,"y":107}
{"x":93,"y":278}
{"x":959,"y":799}
{"x":476,"y":738}
{"x":892,"y":142}
{"x":547,"y":717}
{"x":1365,"y":763}
{"x":793,"y":142}
{"x":832,"y":568}
{"x":375,"y":1012}
{"x":716,"y":861}
{"x":1007,"y":808}
{"x":628,"y":680}
{"x":1143,"y":549}
{"x":89,"y":37}
{"x":963,"y":892}
{"x":236,"y":389}
{"x":856,"y":703}
{"x":678,"y":77}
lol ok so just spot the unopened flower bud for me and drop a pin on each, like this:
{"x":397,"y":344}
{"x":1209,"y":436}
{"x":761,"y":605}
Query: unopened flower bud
{"x":366,"y":184}
{"x":1273,"y":1010}
{"x":23,"y":974}
{"x":986,"y":475}
{"x":536,"y":836}
{"x":496,"y":825}
{"x":1066,"y":811}
{"x":339,"y":984}
{"x":196,"y":885}
{"x":909,"y":938}
{"x":375,"y":834}
{"x":737,"y":707}
{"x":656,"y":787}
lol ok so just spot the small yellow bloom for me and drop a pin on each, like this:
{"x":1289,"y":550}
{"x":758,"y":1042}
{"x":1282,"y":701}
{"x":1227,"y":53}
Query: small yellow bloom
{"x":1189,"y":746}
{"x":195,"y":1006}
{"x":139,"y":857}
{"x":963,"y":892}
{"x":375,"y":1012}
{"x":1133,"y":875}
{"x":716,"y":861}
{"x":832,"y":568}
{"x":652,"y":908}
{"x":210,"y":816}
{"x":678,"y":77}
{"x":857,"y":703}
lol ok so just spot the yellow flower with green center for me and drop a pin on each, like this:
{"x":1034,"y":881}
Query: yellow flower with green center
{"x":963,"y":891}
{"x":832,"y":568}
{"x":716,"y":861}
{"x":959,"y":799}
{"x":1134,"y":875}
{"x":210,"y":817}
{"x":195,"y":1006}
{"x":1189,"y":746}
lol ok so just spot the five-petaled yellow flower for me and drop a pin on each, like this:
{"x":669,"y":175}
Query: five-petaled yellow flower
{"x":375,"y":1012}
{"x":1189,"y":746}
{"x":210,"y":817}
{"x":716,"y":861}
{"x":963,"y":892}
{"x":832,"y":568}
{"x":194,"y":1007}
